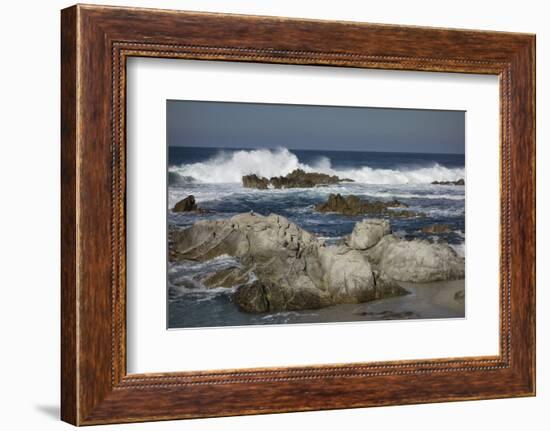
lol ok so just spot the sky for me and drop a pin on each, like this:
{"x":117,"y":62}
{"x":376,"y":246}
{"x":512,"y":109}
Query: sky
{"x":310,"y":127}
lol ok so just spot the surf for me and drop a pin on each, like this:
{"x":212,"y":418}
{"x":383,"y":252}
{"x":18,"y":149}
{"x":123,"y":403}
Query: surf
{"x":231,"y":166}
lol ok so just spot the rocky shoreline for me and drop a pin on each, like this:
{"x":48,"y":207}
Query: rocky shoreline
{"x":283,"y":267}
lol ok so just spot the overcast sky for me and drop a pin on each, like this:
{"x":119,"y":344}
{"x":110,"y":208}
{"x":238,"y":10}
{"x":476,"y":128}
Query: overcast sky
{"x":256,"y":125}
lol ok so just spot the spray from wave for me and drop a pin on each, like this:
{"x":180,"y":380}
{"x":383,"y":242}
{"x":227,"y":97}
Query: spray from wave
{"x":229,"y":167}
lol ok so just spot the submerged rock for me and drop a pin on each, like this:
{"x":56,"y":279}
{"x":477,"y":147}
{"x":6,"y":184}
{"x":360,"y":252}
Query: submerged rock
{"x":294,"y":270}
{"x":460,"y":296}
{"x":437,"y":228}
{"x":353,"y":206}
{"x":459,"y":182}
{"x":389,"y":315}
{"x":251,"y":236}
{"x":296,"y":179}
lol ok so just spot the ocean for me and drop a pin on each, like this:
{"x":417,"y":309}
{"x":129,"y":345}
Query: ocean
{"x":213,"y":176}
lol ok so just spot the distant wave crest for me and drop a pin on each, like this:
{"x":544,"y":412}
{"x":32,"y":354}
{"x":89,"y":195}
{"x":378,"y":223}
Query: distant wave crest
{"x":229,"y":167}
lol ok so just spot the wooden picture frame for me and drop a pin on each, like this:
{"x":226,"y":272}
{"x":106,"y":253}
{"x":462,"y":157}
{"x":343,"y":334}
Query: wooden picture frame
{"x":95,"y":43}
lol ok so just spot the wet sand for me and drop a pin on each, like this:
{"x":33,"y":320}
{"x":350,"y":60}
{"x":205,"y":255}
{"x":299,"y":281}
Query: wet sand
{"x":436,"y":300}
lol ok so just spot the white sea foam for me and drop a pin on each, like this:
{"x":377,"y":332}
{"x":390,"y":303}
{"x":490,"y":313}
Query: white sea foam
{"x":460,"y":233}
{"x":459,"y":249}
{"x":229,"y":167}
{"x":183,"y":277}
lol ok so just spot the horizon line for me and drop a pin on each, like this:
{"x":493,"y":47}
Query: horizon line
{"x":310,"y":149}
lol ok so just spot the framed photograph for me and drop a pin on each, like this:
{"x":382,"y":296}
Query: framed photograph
{"x":266,"y":215}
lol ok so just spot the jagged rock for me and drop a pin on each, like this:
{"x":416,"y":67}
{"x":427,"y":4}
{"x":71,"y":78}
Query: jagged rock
{"x":294,"y":270}
{"x":297,"y":178}
{"x":353,"y":206}
{"x":437,"y":228}
{"x":344,"y":278}
{"x":260,"y":297}
{"x":252,"y":298}
{"x":367,"y":233}
{"x":255,"y":182}
{"x":186,"y":205}
{"x":459,"y":182}
{"x":416,"y":260}
{"x":245,"y":235}
{"x":283,"y":267}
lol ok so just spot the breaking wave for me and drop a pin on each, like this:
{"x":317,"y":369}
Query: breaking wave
{"x":229,"y":167}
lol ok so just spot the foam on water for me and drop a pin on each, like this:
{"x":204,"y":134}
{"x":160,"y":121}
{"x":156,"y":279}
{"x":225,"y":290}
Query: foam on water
{"x":183,"y":277}
{"x":229,"y":167}
{"x":459,"y":249}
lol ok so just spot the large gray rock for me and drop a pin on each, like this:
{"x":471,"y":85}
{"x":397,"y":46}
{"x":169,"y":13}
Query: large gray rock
{"x":294,"y":270}
{"x":367,"y":233}
{"x":248,"y":235}
{"x":416,"y":260}
{"x":267,"y":296}
{"x":347,"y":275}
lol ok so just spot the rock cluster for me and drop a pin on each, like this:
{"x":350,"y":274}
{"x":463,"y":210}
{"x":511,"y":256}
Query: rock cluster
{"x":283,"y":267}
{"x":352,"y":205}
{"x":296,"y":179}
{"x":293,"y":270}
{"x":459,"y":182}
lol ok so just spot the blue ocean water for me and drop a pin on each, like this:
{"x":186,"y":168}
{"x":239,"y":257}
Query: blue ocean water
{"x":178,"y":156}
{"x":213,"y":176}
